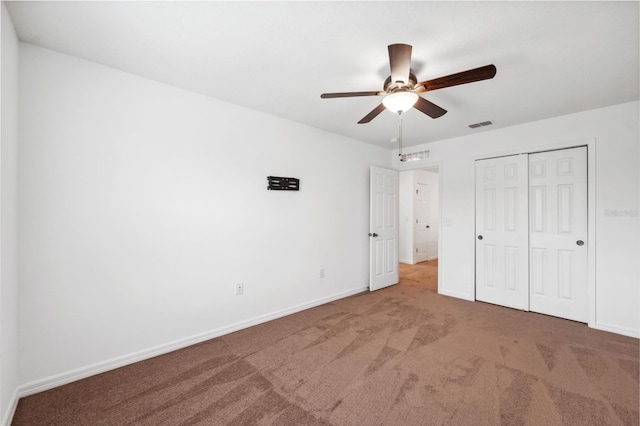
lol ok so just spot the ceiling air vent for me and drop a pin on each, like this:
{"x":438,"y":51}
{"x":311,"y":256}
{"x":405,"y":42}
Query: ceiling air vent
{"x":482,"y":124}
{"x":414,"y":156}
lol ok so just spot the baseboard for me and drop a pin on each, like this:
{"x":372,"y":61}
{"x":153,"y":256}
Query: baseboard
{"x":11,"y":409}
{"x":616,"y":329}
{"x":121,"y":361}
{"x":457,"y":295}
{"x":411,"y":262}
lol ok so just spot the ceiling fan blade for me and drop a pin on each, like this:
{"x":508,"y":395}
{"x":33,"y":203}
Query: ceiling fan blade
{"x":400,"y":62}
{"x":349,"y":94}
{"x":431,"y":109}
{"x":469,"y":76}
{"x":373,"y":114}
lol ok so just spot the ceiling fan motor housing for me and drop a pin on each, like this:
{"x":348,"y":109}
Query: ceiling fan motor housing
{"x":393,"y":87}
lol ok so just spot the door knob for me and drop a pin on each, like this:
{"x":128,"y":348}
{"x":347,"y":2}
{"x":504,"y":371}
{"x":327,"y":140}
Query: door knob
{"x":479,"y":237}
{"x":428,"y":226}
{"x":373,"y":234}
{"x":580,"y":242}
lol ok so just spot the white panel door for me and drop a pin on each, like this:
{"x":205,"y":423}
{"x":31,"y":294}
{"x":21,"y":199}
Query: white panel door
{"x":421,"y":226}
{"x":384,"y":228}
{"x":558,"y":239}
{"x":501,"y":231}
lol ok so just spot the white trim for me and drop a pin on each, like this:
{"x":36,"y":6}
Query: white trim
{"x":11,"y":409}
{"x":616,"y":329}
{"x":591,"y":233}
{"x":440,"y":223}
{"x":121,"y":361}
{"x":457,"y":295}
{"x":411,"y":262}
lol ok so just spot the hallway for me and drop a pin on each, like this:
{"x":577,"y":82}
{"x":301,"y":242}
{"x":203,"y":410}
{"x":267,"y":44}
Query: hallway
{"x":421,"y":275}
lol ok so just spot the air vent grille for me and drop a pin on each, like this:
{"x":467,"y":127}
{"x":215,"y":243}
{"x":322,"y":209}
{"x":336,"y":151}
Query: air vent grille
{"x":481,"y":124}
{"x":414,"y":156}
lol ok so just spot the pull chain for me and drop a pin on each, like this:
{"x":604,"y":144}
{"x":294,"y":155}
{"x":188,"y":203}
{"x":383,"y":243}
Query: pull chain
{"x":400,"y":136}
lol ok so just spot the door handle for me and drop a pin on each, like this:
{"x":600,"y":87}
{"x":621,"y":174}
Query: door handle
{"x":580,"y":242}
{"x":373,"y":234}
{"x":479,"y":237}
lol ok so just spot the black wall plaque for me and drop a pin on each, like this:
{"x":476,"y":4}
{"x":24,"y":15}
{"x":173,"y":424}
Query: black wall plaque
{"x":283,"y":183}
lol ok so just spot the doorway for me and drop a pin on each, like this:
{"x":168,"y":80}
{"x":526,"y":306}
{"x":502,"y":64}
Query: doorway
{"x":419,"y":225}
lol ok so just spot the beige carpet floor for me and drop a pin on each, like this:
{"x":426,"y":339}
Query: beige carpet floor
{"x":399,"y":356}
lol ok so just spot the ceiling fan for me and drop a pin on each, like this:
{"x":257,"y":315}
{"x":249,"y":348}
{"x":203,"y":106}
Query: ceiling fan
{"x":401,"y":89}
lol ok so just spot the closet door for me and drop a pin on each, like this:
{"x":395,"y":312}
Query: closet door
{"x":558,"y":239}
{"x":502,"y":249}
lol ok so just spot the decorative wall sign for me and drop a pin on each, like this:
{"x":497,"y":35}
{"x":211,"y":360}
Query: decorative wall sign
{"x":283,"y":183}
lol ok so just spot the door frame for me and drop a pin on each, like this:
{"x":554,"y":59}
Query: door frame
{"x":590,"y":143}
{"x":425,"y":165}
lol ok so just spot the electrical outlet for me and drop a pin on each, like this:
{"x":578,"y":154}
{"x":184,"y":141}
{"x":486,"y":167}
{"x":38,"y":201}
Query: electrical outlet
{"x":321,"y":272}
{"x":239,"y":289}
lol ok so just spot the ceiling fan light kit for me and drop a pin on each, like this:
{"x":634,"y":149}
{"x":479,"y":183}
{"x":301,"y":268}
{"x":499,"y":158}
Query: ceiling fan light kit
{"x":400,"y":101}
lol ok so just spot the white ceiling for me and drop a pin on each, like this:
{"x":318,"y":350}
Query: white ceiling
{"x":553,"y":58}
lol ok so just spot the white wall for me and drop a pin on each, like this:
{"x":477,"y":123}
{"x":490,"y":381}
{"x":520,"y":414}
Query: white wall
{"x":406,"y":187}
{"x":142,"y":205}
{"x":617,"y":179}
{"x":8,"y":218}
{"x":406,"y":214}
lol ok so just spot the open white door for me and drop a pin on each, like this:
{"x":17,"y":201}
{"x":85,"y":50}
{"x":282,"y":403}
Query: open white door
{"x":383,"y":206}
{"x":502,"y":245}
{"x":558,"y":192}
